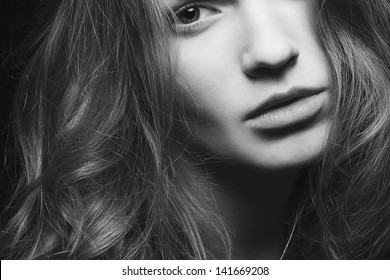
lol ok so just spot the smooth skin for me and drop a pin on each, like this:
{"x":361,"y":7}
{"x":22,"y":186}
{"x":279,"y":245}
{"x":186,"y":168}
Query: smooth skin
{"x":236,"y":56}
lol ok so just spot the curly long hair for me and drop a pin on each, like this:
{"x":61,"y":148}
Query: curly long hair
{"x":99,"y":172}
{"x":104,"y":176}
{"x":351,"y":190}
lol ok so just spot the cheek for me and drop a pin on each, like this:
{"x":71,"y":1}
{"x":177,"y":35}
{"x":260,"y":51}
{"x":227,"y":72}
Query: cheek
{"x":204,"y":78}
{"x":208,"y":69}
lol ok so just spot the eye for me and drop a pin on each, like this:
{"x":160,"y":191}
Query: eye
{"x":193,"y":13}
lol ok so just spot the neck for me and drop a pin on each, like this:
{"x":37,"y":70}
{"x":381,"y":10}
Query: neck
{"x":256,"y":206}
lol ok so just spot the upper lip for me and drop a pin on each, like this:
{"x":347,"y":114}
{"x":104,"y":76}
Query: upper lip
{"x":279,"y":99}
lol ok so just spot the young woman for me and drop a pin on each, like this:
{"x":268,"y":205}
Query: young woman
{"x":175,"y":129}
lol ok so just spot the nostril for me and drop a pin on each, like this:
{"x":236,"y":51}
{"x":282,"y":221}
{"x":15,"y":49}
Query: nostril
{"x":274,"y":69}
{"x":271,"y":70}
{"x":293,"y":59}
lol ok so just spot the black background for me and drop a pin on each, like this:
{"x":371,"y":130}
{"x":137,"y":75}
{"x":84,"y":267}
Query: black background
{"x":17,"y":19}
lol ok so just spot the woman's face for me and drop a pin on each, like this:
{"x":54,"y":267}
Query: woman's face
{"x":257,"y":80}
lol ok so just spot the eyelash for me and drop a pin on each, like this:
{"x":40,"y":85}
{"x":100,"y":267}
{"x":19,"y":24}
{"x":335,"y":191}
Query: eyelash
{"x":192,"y":26}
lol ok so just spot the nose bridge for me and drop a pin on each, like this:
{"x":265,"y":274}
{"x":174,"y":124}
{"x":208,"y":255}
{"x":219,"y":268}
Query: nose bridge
{"x":267,"y":41}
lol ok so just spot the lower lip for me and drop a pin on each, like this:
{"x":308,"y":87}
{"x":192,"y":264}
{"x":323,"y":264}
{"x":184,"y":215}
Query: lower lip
{"x":299,"y":111}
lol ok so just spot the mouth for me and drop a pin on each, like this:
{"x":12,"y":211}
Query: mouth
{"x":285,"y":109}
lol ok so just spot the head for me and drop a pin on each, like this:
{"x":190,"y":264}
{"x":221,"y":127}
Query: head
{"x":261,"y":82}
{"x":256,"y":80}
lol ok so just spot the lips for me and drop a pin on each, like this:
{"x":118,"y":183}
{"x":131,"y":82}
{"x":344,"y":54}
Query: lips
{"x":287,"y":108}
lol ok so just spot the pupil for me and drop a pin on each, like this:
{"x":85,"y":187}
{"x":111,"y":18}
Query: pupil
{"x":189,"y":15}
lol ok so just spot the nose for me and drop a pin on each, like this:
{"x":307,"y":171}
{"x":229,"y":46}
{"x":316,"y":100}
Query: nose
{"x":268,"y":48}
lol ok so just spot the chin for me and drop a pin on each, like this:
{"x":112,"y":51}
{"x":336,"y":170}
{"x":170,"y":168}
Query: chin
{"x":287,"y":161}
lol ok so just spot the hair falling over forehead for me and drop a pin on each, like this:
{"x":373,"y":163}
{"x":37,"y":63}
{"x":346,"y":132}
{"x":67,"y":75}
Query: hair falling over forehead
{"x":102,"y":176}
